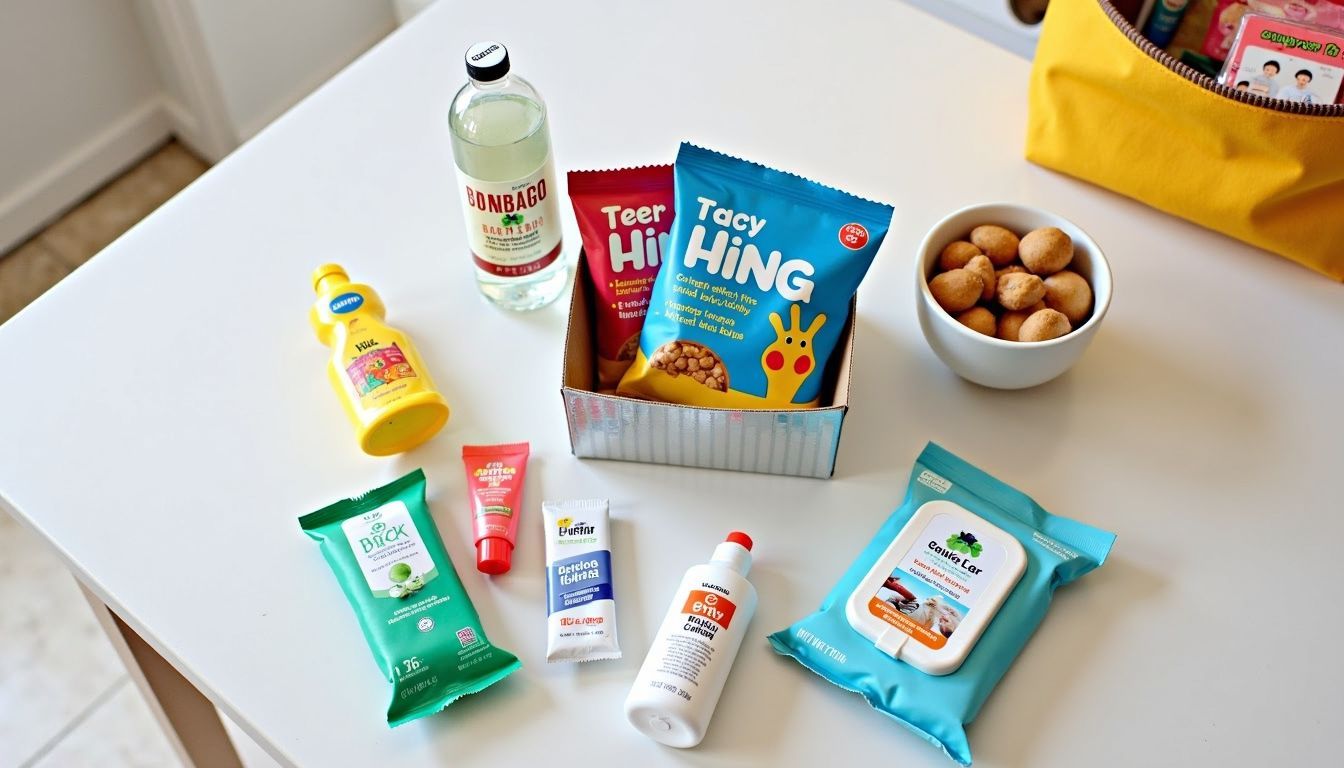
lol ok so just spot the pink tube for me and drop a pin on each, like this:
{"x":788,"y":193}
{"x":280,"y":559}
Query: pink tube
{"x":495,"y":487}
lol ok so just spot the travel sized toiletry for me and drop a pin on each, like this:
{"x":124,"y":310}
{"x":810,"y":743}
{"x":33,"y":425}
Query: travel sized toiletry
{"x":1166,"y":17}
{"x":935,"y":588}
{"x":580,"y":601}
{"x":936,"y":607}
{"x":506,"y":177}
{"x":419,"y":622}
{"x":495,"y":476}
{"x":678,"y":686}
{"x":376,"y":372}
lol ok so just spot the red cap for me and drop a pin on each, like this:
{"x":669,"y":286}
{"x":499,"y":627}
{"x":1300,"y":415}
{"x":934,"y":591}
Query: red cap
{"x":494,"y":555}
{"x":738,"y":537}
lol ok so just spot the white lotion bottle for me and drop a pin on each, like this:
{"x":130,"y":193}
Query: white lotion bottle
{"x":678,"y":687}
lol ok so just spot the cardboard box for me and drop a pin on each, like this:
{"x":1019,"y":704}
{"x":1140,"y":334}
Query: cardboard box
{"x":778,"y":442}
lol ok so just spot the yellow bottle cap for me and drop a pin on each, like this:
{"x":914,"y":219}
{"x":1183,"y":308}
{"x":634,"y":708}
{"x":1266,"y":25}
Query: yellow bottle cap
{"x":411,"y":422}
{"x":329,"y":274}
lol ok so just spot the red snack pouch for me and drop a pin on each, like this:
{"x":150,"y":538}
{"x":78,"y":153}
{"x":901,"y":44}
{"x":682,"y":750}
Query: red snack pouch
{"x":624,"y":218}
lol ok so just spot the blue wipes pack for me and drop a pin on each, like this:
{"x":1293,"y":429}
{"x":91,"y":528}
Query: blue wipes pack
{"x":942,"y":600}
{"x":755,"y":286}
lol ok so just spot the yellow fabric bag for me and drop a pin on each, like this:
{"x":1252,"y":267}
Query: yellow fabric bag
{"x":1108,"y":107}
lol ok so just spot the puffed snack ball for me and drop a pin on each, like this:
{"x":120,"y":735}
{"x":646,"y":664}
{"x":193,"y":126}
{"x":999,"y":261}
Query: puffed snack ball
{"x":1019,"y":290}
{"x":1069,"y":293}
{"x":983,"y":268}
{"x":1044,"y":325}
{"x":1010,"y":323}
{"x":956,"y":290}
{"x":955,"y":255}
{"x":978,"y":319}
{"x":1045,"y":251}
{"x":999,"y":244}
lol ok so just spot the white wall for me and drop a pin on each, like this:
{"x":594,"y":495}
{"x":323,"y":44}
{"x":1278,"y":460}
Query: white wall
{"x":79,"y":99}
{"x":267,"y":55}
{"x":89,"y":86}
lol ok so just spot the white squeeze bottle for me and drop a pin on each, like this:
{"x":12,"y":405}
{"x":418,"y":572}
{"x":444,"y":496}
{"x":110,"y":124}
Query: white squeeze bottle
{"x":506,"y":179}
{"x":679,"y":685}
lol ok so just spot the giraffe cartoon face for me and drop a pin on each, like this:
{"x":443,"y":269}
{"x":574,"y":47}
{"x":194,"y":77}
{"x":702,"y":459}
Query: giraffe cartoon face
{"x":789,"y":360}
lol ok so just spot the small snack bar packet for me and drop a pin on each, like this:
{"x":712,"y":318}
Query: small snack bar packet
{"x":756,"y":287}
{"x":580,"y":604}
{"x":419,"y":622}
{"x":933,"y":611}
{"x":624,"y":217}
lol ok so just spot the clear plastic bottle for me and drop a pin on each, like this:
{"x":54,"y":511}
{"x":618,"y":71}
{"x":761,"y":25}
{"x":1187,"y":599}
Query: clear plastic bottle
{"x":506,"y":177}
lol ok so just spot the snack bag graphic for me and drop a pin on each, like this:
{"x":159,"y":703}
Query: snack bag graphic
{"x":625,"y":217}
{"x":751,"y":246}
{"x":792,"y":357}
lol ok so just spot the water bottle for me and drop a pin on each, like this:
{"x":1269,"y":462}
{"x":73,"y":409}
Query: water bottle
{"x":506,"y":177}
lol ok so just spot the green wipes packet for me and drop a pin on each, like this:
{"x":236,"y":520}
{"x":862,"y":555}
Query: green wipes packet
{"x":418,"y":620}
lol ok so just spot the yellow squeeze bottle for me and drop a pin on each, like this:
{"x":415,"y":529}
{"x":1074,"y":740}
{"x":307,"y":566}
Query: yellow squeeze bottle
{"x":374,"y":368}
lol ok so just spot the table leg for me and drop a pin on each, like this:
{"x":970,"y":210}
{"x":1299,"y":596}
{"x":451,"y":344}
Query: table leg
{"x":188,"y":719}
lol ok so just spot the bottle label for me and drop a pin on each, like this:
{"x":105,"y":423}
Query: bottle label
{"x":513,"y":227}
{"x":390,"y":551}
{"x":687,"y":650}
{"x":379,"y":363}
{"x":382,"y":365}
{"x":705,"y":609}
{"x":938,"y":582}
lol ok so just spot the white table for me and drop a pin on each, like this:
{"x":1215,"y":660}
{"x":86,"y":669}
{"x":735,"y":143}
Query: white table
{"x":166,"y":417}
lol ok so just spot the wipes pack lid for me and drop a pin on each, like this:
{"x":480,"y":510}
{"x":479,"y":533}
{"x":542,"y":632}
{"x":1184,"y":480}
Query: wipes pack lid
{"x":929,"y":596}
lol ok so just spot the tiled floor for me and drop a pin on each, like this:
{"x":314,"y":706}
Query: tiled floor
{"x":65,"y":698}
{"x":73,"y":239}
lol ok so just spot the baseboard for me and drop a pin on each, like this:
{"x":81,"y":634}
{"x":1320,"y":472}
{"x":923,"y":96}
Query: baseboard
{"x":187,"y":129}
{"x":45,"y":196}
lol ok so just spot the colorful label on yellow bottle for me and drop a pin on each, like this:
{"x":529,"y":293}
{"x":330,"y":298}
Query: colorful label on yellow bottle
{"x":513,"y":227}
{"x":379,"y":371}
{"x":377,"y":368}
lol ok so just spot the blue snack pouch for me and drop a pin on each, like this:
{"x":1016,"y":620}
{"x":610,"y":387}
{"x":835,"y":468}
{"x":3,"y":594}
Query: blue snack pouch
{"x":931,"y":614}
{"x":755,"y":287}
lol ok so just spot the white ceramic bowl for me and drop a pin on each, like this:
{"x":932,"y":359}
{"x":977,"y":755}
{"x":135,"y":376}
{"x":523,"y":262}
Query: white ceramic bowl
{"x":995,"y":362}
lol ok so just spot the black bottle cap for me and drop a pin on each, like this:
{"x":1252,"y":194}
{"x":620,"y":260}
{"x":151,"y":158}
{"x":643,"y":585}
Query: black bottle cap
{"x":487,"y":61}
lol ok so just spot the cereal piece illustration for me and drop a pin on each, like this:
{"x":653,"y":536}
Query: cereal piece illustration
{"x":629,"y":348}
{"x":686,"y":358}
{"x":789,"y":360}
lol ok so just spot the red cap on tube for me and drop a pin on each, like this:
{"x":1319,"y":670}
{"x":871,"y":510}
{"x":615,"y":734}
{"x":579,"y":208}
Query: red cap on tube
{"x":494,"y":555}
{"x":738,"y":537}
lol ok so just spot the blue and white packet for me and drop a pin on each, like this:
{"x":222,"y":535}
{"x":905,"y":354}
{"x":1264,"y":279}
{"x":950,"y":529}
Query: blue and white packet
{"x":938,"y":707}
{"x":580,"y":603}
{"x":755,"y":287}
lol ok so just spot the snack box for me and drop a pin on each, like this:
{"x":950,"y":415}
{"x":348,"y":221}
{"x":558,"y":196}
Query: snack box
{"x":802,"y":443}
